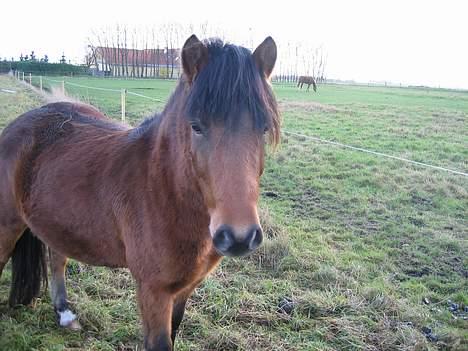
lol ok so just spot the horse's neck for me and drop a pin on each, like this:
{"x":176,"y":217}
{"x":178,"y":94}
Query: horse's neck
{"x":170,"y":161}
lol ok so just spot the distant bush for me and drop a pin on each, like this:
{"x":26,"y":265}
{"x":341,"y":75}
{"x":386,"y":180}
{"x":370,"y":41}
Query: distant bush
{"x":43,"y":68}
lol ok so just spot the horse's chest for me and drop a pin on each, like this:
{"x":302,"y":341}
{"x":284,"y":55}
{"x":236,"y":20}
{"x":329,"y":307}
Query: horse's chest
{"x":193,"y":266}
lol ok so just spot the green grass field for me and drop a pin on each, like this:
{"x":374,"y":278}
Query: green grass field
{"x":370,"y":251}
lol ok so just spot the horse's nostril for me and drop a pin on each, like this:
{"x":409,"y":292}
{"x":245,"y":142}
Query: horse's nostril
{"x":255,"y":238}
{"x":223,"y":239}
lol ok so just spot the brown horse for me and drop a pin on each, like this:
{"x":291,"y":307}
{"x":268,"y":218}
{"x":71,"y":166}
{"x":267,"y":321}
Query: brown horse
{"x":167,"y":199}
{"x":307,"y":80}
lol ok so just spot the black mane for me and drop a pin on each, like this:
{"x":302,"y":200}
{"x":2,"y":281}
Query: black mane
{"x":147,"y":124}
{"x":229,"y":85}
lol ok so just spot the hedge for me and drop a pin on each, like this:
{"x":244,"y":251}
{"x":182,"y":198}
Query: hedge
{"x":43,"y":68}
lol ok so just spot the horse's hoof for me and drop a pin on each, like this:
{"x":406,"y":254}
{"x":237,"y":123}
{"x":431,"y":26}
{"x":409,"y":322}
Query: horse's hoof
{"x":74,"y":325}
{"x":67,"y":319}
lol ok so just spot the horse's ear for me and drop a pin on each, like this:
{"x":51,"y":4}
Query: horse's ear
{"x":265,"y":56}
{"x":194,"y":57}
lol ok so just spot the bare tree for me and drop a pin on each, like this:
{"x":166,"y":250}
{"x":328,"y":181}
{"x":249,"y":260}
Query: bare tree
{"x":313,"y":61}
{"x":145,"y":55}
{"x":101,"y":50}
{"x":125,"y":58}
{"x":118,"y":54}
{"x":154,"y":53}
{"x":108,"y":52}
{"x":134,"y":74}
{"x":91,"y":57}
{"x":174,"y":42}
{"x":166,"y":32}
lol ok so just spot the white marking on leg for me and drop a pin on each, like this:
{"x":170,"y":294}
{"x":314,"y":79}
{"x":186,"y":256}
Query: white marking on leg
{"x":66,"y":318}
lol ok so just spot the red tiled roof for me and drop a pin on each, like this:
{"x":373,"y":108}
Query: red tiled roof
{"x":117,"y":56}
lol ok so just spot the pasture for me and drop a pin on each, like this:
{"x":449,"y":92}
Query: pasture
{"x":363,"y":253}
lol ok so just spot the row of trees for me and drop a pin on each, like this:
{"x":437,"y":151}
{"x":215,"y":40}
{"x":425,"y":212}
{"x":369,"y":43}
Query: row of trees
{"x":136,"y":52}
{"x":32,"y":57}
{"x":154,"y":51}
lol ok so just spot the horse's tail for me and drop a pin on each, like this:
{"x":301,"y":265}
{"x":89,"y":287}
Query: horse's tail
{"x":29,"y":269}
{"x":314,"y":85}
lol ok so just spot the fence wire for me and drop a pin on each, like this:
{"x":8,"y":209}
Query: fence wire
{"x":124,"y":92}
{"x":376,"y":153}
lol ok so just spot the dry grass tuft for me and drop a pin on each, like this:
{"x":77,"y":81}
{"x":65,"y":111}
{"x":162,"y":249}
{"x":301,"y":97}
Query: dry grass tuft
{"x":275,"y":244}
{"x":308,"y":106}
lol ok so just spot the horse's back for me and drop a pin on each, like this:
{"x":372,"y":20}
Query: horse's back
{"x":53,"y":130}
{"x":74,"y":108}
{"x":37,"y":129}
{"x":26,"y":124}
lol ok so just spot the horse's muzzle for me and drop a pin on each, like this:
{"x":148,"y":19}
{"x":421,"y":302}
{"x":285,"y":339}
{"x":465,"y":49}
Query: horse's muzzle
{"x":228,"y":244}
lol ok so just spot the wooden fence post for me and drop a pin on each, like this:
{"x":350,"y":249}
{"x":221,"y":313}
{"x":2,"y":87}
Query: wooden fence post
{"x":123,"y":95}
{"x":40,"y":83}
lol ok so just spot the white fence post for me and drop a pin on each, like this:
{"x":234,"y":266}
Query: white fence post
{"x":23,"y":76}
{"x":123,"y":95}
{"x":40,"y":83}
{"x":30,"y":78}
{"x":63,"y":87}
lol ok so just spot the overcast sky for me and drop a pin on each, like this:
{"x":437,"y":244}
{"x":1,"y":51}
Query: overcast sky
{"x":412,"y":41}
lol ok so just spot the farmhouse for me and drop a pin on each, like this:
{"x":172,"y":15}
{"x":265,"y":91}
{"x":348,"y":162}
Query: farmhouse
{"x":122,"y":62}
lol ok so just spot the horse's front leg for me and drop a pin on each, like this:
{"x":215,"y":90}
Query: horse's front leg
{"x":177,"y":316}
{"x":156,"y":307}
{"x":178,"y":310}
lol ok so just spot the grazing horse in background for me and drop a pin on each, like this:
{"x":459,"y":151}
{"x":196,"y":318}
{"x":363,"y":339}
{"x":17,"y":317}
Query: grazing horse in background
{"x":307,"y":80}
{"x":166,"y":199}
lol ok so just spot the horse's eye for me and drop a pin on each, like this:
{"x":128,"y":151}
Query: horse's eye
{"x":196,"y":128}
{"x":265,"y":130}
